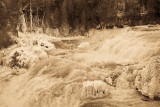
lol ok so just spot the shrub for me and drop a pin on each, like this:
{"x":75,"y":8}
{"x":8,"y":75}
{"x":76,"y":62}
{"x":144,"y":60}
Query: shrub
{"x":5,"y":40}
{"x":23,"y":57}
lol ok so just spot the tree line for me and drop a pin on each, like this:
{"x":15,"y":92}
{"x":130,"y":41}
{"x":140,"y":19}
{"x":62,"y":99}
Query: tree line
{"x":75,"y":16}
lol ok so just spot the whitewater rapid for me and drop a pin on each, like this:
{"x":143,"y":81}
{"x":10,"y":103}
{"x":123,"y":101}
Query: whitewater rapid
{"x":80,"y":78}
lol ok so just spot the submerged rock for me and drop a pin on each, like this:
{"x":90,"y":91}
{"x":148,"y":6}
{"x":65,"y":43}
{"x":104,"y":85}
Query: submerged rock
{"x":122,"y":81}
{"x":148,"y":80}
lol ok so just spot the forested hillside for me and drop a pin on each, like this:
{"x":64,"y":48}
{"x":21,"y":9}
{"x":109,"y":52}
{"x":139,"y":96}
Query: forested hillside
{"x":74,"y":16}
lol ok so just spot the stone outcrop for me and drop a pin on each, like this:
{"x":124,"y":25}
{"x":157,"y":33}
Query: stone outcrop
{"x":148,"y":80}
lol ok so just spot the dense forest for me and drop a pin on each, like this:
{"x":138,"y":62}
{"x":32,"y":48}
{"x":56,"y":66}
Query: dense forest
{"x":72,"y":17}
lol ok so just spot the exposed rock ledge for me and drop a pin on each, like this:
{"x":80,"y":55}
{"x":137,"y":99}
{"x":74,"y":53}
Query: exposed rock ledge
{"x":148,"y":80}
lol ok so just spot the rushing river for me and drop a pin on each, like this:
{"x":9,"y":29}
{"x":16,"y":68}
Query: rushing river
{"x":59,"y":81}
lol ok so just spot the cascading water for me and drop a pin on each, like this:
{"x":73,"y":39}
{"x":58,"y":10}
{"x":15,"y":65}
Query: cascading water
{"x":84,"y":78}
{"x":125,"y":45}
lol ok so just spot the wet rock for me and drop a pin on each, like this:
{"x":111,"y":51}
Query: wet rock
{"x":147,"y":80}
{"x":109,"y":80}
{"x":94,"y":89}
{"x":145,"y":99}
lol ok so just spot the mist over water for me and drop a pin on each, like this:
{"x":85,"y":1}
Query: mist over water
{"x":126,"y":45}
{"x":61,"y":81}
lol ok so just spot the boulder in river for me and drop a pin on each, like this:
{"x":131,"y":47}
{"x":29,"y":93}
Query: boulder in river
{"x":148,"y":80}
